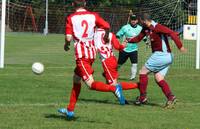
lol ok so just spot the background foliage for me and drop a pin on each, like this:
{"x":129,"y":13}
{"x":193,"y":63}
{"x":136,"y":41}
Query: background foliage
{"x":168,"y":12}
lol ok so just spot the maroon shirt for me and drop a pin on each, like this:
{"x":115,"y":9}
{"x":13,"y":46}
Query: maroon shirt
{"x":159,"y":37}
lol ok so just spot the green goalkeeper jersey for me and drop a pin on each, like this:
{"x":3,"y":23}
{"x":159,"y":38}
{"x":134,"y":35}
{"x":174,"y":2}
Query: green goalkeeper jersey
{"x":127,"y":31}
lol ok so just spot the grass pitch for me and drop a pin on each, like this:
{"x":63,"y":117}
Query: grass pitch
{"x":29,"y":101}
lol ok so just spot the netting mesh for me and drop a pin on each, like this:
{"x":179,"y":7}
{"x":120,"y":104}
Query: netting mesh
{"x":169,"y":13}
{"x":174,"y":14}
{"x":30,"y":17}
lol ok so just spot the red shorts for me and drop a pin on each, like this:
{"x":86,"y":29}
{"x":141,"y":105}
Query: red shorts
{"x":84,"y":68}
{"x":110,"y":69}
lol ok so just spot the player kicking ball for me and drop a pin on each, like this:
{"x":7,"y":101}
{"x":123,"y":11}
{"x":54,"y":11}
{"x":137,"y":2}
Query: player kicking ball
{"x":80,"y":26}
{"x":108,"y":59}
{"x":159,"y":61}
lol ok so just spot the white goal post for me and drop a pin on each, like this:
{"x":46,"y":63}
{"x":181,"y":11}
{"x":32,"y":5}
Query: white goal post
{"x":46,"y":20}
{"x":191,"y":59}
{"x":198,"y":36}
{"x":2,"y":41}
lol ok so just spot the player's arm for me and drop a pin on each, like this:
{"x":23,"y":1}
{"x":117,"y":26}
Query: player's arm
{"x":165,"y":30}
{"x":138,"y":38}
{"x":68,"y":34}
{"x":145,"y":37}
{"x":116,"y":44}
{"x":101,"y":23}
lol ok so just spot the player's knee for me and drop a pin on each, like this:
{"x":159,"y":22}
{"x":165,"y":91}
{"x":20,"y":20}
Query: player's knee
{"x":114,"y":83}
{"x":158,"y":77}
{"x":144,"y":70}
{"x":89,"y":82}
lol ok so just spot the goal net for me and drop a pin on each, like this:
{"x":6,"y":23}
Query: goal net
{"x":30,"y":17}
{"x":175,"y":14}
{"x":172,"y":13}
{"x":22,"y":16}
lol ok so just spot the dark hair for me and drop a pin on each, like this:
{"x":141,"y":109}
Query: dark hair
{"x":145,"y":16}
{"x":134,"y":17}
{"x":79,"y":3}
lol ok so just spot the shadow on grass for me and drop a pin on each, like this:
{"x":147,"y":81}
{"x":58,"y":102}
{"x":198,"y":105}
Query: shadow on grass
{"x":97,"y":101}
{"x":62,"y":117}
{"x":77,"y":119}
{"x":149,"y":104}
{"x":128,"y":102}
{"x":154,"y":105}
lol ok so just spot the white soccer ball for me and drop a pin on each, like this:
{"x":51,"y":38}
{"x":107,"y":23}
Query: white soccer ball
{"x":38,"y":68}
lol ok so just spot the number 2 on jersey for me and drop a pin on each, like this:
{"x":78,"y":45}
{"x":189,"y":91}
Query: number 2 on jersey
{"x":84,"y":24}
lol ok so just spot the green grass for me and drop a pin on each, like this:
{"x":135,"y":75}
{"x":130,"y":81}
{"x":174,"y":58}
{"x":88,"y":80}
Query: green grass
{"x":29,"y":101}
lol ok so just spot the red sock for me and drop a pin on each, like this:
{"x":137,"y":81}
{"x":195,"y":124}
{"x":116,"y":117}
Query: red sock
{"x":165,"y":88}
{"x":100,"y":86}
{"x":143,"y":84}
{"x":128,"y":85}
{"x":74,"y":96}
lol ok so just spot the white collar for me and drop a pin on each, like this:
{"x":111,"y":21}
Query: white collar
{"x":81,"y":10}
{"x":153,"y":23}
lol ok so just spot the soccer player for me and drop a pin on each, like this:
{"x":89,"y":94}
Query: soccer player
{"x":130,"y":51}
{"x":80,"y":26}
{"x":108,"y":59}
{"x":159,"y":61}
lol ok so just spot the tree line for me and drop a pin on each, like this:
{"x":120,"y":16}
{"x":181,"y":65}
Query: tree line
{"x":89,"y":2}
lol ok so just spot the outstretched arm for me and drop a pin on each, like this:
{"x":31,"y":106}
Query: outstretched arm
{"x":116,"y":44}
{"x":137,"y":38}
{"x":165,"y":30}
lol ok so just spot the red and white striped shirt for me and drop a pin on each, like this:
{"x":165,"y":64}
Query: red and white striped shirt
{"x":85,"y":50}
{"x":81,"y":25}
{"x":105,"y":50}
